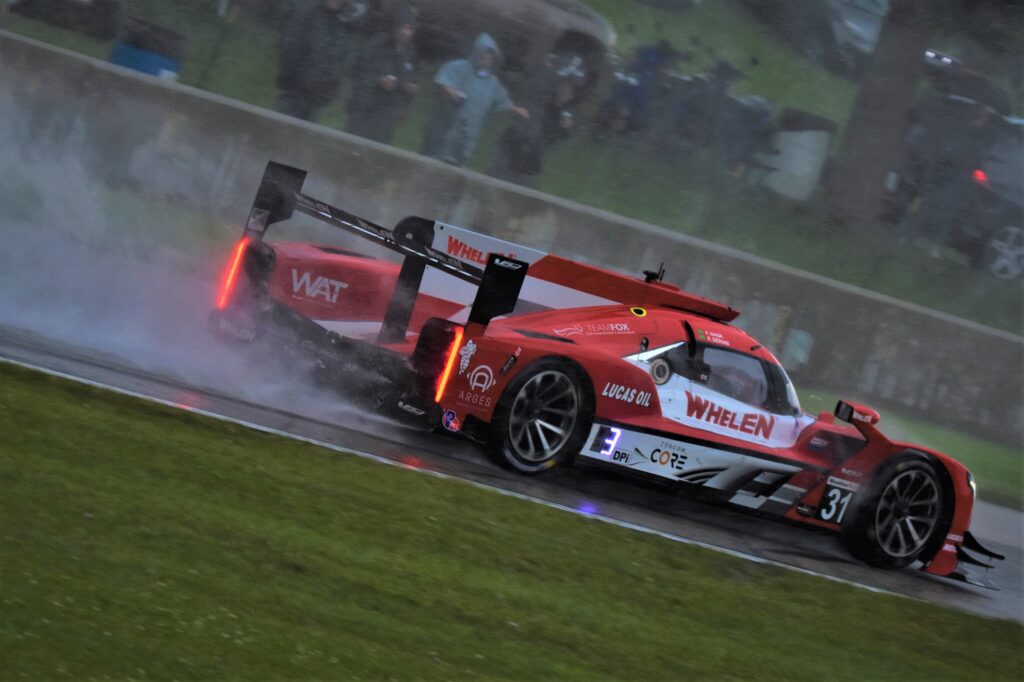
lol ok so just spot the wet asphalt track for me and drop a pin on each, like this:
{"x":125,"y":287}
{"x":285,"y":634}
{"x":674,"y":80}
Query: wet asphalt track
{"x":306,"y":413}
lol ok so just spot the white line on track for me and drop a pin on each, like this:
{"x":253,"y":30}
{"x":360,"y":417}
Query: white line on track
{"x":438,"y":474}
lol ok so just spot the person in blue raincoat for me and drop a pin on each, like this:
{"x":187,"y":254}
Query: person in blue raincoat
{"x":468,"y":92}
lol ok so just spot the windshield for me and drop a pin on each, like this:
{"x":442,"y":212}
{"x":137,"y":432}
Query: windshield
{"x":750,"y":380}
{"x":738,"y":376}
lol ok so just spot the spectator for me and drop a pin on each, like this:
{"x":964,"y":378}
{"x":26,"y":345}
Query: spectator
{"x":468,"y":91}
{"x":551,"y":92}
{"x":699,"y":111}
{"x":314,"y":53}
{"x":625,"y":109}
{"x":384,"y":81}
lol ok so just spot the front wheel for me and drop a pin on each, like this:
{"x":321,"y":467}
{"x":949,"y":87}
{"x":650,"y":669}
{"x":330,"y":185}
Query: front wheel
{"x":902,"y":516}
{"x":543,"y":416}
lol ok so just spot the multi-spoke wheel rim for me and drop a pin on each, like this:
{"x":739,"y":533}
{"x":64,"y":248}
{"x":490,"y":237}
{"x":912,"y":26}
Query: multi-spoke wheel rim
{"x":907,"y":513}
{"x":543,"y":415}
{"x":1006,"y":252}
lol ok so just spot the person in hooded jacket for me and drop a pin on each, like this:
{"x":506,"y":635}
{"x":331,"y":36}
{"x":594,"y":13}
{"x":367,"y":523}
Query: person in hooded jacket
{"x":315,"y":49}
{"x":468,"y":91}
{"x":385,"y":81}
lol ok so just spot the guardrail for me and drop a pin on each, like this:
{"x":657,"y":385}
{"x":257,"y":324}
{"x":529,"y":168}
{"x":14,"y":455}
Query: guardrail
{"x":208,"y":151}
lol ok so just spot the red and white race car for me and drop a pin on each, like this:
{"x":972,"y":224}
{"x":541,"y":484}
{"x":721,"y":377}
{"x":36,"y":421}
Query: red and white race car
{"x":548,"y":360}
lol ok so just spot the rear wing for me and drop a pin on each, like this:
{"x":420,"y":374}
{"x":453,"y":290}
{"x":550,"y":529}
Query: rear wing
{"x":498,"y":284}
{"x":553,"y":282}
{"x":280,"y":195}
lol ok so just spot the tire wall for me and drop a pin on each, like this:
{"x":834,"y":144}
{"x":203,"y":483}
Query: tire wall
{"x":173,"y":142}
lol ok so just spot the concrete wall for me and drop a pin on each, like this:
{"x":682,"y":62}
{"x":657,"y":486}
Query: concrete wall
{"x":209,"y":151}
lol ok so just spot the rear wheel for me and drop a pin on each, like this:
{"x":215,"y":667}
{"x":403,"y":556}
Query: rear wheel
{"x":902,"y":517}
{"x":543,"y":416}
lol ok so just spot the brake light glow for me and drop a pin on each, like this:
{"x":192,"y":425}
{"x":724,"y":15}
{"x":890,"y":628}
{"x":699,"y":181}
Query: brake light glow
{"x":231,"y":276}
{"x":980,"y":177}
{"x":453,"y":353}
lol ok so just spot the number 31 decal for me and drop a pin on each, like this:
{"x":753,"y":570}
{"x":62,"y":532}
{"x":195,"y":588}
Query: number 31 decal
{"x":833,"y":504}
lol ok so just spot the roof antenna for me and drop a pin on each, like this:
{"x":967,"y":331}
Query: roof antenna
{"x":652,"y":276}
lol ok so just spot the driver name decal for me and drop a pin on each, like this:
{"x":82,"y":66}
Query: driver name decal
{"x":759,"y":425}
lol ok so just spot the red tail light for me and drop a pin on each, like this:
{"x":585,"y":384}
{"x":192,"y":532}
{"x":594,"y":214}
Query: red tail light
{"x":980,"y":177}
{"x":231,"y":276}
{"x":453,"y":353}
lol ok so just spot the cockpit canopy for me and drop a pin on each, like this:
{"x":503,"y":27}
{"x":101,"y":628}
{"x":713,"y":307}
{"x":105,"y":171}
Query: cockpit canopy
{"x":741,"y":376}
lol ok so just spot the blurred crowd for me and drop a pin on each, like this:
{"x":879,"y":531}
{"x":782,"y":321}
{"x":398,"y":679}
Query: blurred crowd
{"x":326,"y":44}
{"x":327,"y":52}
{"x":957,"y":184}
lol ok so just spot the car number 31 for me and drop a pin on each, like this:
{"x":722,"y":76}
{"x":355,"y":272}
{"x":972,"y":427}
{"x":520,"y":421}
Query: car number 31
{"x":833,"y":504}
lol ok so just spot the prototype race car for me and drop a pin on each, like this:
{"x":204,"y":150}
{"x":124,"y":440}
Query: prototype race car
{"x":547,"y":360}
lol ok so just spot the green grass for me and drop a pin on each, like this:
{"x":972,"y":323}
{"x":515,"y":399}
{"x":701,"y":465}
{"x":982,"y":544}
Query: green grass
{"x":144,"y":542}
{"x":723,"y":30}
{"x":998,"y":469}
{"x":694,"y":196}
{"x":69,"y":40}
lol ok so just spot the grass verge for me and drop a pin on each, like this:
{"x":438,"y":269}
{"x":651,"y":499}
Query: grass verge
{"x":998,"y":469}
{"x":144,"y":542}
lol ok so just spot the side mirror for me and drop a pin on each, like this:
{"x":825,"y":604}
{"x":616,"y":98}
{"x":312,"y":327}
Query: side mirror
{"x":852,"y":412}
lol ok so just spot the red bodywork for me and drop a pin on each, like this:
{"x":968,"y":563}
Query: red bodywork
{"x":621,"y":319}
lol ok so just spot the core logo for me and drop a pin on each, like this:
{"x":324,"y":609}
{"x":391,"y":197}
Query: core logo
{"x":320,"y":287}
{"x":705,"y":410}
{"x":481,"y":379}
{"x":667,"y":458}
{"x":626,"y":394}
{"x":508,"y":264}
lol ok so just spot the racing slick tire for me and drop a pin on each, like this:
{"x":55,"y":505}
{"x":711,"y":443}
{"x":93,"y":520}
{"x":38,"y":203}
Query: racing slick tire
{"x":543,"y":416}
{"x":904,"y":515}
